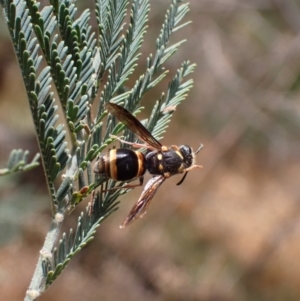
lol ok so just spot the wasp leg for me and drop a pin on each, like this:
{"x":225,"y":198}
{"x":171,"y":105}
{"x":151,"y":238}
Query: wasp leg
{"x":193,"y":167}
{"x":141,"y":180}
{"x":128,"y":186}
{"x":134,"y":144}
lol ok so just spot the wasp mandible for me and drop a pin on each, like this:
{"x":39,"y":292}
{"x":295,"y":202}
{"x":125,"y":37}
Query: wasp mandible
{"x":162,"y":162}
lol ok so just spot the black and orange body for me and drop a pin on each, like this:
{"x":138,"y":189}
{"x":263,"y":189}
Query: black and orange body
{"x":124,"y":164}
{"x":160,"y":161}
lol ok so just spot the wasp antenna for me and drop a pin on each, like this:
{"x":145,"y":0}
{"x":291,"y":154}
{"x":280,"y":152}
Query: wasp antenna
{"x":199,"y":149}
{"x":180,"y":182}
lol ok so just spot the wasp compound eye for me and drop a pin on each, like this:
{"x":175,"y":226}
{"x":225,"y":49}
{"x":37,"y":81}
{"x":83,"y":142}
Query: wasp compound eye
{"x":185,"y":150}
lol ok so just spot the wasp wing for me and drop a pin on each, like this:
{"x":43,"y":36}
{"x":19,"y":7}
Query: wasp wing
{"x":133,"y":124}
{"x":140,"y":208}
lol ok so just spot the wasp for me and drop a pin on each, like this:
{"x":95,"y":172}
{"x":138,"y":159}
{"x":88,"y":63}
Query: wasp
{"x":162,"y":162}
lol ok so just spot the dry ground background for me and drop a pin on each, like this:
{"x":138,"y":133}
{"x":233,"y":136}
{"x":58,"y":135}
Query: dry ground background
{"x":230,"y":232}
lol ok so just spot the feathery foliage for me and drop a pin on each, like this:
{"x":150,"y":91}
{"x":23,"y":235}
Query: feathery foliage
{"x":18,"y":161}
{"x":67,"y":71}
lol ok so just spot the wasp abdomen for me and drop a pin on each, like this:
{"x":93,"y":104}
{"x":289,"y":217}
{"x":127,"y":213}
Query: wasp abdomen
{"x":121,"y":164}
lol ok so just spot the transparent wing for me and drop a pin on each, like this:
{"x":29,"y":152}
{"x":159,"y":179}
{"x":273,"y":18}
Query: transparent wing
{"x":133,"y":124}
{"x":140,"y":208}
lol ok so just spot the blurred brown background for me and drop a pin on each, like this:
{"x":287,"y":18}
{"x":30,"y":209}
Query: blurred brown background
{"x":231,"y":231}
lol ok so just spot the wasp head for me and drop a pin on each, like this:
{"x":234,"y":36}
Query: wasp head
{"x":187,"y":154}
{"x":188,"y":159}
